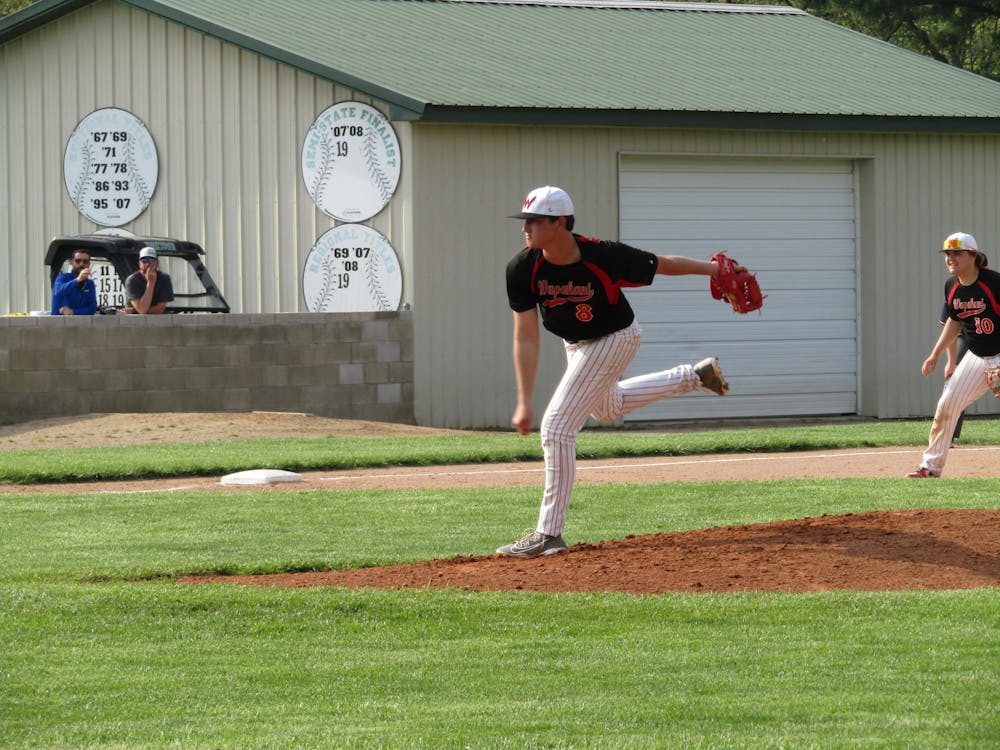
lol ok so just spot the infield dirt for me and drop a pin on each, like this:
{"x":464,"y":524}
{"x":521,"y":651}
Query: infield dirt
{"x":905,"y":549}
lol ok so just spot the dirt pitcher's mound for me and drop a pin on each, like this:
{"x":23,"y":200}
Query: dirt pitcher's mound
{"x":877,"y":551}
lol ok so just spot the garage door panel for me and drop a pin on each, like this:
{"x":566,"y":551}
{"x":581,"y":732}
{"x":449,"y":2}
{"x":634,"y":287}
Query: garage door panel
{"x":730,"y":180}
{"x":792,"y":221}
{"x":782,"y":254}
{"x":693,"y":306}
{"x":793,"y":331}
{"x":828,"y":254}
{"x":643,"y":164}
{"x":793,"y":252}
{"x":682,"y":231}
{"x":772,"y":282}
{"x":643,"y":203}
{"x":741,"y":358}
{"x":710,"y":406}
{"x":666,"y":211}
{"x":782,"y":384}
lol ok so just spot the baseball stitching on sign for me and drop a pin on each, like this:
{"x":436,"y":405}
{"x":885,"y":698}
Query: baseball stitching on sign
{"x":145,"y":193}
{"x":379,"y":179}
{"x":324,"y":169}
{"x":326,"y":287}
{"x":87,"y":157}
{"x":379,"y":297}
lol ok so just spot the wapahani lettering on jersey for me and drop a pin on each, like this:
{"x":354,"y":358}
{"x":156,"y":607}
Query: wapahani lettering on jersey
{"x":574,"y":292}
{"x":968,"y":308}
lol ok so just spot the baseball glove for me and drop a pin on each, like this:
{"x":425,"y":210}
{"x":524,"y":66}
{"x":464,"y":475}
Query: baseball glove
{"x":739,"y":288}
{"x":992,"y":376}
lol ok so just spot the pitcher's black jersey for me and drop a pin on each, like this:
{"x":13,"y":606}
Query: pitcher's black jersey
{"x":582,"y":300}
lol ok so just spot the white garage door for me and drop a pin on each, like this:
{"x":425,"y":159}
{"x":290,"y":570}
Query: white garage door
{"x":793,"y":221}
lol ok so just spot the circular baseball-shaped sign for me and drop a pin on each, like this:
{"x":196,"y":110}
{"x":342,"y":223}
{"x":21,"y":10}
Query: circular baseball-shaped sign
{"x":350,"y":161}
{"x":110,"y":167}
{"x":352,"y":268}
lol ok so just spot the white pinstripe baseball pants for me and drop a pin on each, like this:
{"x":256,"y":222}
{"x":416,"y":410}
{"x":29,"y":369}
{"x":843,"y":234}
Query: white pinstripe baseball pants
{"x":590,"y":386}
{"x":964,"y":386}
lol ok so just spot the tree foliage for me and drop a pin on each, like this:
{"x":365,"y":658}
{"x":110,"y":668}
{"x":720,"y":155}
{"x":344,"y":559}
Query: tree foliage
{"x":965,"y":34}
{"x":12,"y":6}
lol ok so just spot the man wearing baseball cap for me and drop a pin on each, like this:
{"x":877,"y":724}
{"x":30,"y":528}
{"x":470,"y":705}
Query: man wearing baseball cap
{"x":573,"y":285}
{"x":956,"y":351}
{"x":972,"y":296}
{"x":148,"y":290}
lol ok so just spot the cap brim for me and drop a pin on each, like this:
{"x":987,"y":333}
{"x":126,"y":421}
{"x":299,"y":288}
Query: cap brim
{"x":524,"y":215}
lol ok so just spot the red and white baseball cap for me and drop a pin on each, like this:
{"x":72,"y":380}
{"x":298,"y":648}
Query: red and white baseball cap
{"x":545,"y":201}
{"x":960,"y":241}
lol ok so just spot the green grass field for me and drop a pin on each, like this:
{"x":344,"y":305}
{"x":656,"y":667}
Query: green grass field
{"x":101,"y":648}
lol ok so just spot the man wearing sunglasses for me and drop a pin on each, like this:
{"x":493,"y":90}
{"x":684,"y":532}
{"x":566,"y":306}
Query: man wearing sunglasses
{"x":148,"y":290}
{"x":956,"y":351}
{"x":74,"y":292}
{"x":972,"y":301}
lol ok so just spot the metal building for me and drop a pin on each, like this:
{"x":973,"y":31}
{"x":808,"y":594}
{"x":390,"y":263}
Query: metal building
{"x":831,"y":162}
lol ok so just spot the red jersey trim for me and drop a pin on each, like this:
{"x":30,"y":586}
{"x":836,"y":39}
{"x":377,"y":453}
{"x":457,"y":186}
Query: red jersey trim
{"x":534,"y":274}
{"x":951,"y":292}
{"x":989,"y":296}
{"x":610,"y":289}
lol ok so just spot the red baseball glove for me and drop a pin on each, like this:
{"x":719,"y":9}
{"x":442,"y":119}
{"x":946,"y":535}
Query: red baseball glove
{"x":739,"y":288}
{"x":992,"y":376}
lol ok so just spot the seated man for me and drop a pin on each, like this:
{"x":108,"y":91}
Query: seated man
{"x":148,"y":290}
{"x":74,"y":292}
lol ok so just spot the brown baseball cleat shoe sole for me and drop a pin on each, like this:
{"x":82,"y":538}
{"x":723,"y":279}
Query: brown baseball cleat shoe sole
{"x":711,"y":376}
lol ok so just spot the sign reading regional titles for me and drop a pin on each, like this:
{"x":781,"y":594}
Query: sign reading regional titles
{"x":352,"y":268}
{"x":350,"y":161}
{"x":110,"y":167}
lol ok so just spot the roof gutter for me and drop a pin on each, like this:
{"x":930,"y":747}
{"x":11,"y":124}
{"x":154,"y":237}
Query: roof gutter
{"x":711,"y":120}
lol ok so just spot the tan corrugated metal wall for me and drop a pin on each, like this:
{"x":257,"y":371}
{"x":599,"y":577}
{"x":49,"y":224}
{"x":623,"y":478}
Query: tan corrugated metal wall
{"x":228,"y":127}
{"x":913,"y":191}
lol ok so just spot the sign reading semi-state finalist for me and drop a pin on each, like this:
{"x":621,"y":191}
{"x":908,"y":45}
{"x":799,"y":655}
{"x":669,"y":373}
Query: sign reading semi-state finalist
{"x":352,"y":268}
{"x":350,"y":161}
{"x":110,"y":167}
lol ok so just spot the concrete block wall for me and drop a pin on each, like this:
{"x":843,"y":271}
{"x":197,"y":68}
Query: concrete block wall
{"x":346,"y":365}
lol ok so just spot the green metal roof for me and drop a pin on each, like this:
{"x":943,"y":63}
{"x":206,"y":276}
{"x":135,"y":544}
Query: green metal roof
{"x":594,"y":62}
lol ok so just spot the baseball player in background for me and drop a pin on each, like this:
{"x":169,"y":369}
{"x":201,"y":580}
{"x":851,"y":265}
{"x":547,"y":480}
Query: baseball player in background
{"x":955,"y":353}
{"x":971,"y":300}
{"x":575,"y":285}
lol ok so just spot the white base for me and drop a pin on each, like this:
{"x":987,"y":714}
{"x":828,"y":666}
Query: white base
{"x":261,"y":476}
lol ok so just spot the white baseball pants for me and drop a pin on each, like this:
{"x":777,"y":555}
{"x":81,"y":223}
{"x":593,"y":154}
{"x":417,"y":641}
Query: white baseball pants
{"x":590,"y":386}
{"x":964,"y":386}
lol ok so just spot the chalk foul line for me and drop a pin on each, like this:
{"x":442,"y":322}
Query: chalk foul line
{"x":606,"y":467}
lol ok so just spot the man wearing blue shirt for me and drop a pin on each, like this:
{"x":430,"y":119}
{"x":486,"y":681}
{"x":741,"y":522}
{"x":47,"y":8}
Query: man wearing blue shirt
{"x":73,"y":292}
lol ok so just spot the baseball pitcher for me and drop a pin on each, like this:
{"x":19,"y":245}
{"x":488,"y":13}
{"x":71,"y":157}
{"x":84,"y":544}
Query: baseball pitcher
{"x":574,"y":284}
